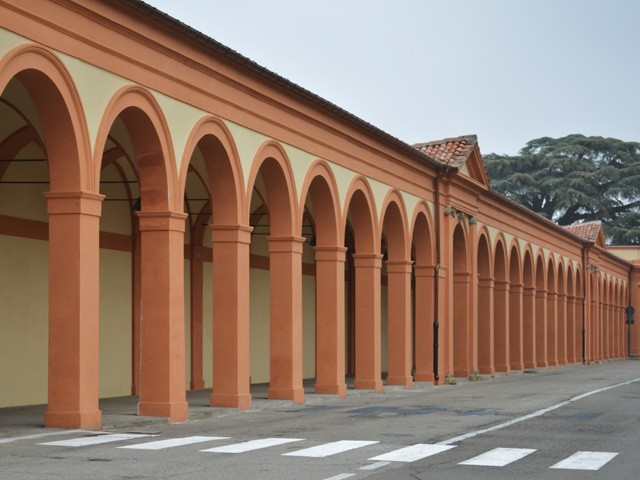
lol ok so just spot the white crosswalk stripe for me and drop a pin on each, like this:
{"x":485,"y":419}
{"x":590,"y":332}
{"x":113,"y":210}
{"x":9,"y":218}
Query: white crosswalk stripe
{"x":96,"y":440}
{"x":499,"y":457}
{"x":413,"y":453}
{"x":328,"y":449}
{"x":171,"y":442}
{"x":252,"y":445}
{"x":585,"y":461}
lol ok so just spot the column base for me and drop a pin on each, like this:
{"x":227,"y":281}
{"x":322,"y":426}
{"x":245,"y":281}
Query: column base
{"x":487,"y":371}
{"x":517,"y":367}
{"x":441,"y":378}
{"x":231,"y":400}
{"x":84,"y":420}
{"x":375,"y":385}
{"x":402,"y":381}
{"x":564,"y":361}
{"x":423,"y":377}
{"x":543,"y":365}
{"x":339,"y":389}
{"x":197,"y":385}
{"x":294,"y":394}
{"x":530,"y":365}
{"x":176,"y":412}
{"x":506,"y":369}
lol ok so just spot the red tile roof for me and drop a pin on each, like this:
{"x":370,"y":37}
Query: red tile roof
{"x":587,"y":230}
{"x":450,"y":151}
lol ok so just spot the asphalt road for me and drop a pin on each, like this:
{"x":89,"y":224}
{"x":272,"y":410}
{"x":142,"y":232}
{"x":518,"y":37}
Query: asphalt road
{"x":569,"y":418}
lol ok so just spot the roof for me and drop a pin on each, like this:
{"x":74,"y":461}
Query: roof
{"x":589,"y":231}
{"x":450,"y":151}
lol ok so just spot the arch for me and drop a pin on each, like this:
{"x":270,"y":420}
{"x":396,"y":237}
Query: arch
{"x":516,"y":288}
{"x":485,"y":305}
{"x":460,"y":325}
{"x":320,"y":188}
{"x":424,"y":291}
{"x":501,"y":306}
{"x":360,"y":212}
{"x":393,"y":223}
{"x":224,"y":170}
{"x":58,"y":104}
{"x":152,"y":143}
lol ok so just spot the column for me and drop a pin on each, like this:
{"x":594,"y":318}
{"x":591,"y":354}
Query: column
{"x":552,"y":329}
{"x":462,"y":332}
{"x":529,"y":326}
{"x":231,"y":351}
{"x":571,"y":332}
{"x":196,"y":276}
{"x":399,"y":315}
{"x":501,"y":327}
{"x":486,"y":340}
{"x":368,"y":324}
{"x":541,"y":328}
{"x":424,"y":323}
{"x":74,"y":296}
{"x":285,"y":342}
{"x":162,"y":373}
{"x":515,"y":326}
{"x":330,"y":326}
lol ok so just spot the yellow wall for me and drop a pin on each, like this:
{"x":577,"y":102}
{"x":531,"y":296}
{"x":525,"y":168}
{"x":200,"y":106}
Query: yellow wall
{"x":259,"y":288}
{"x":115,"y":323}
{"x":187,"y":323}
{"x":207,"y":325}
{"x":309,"y":326}
{"x":23,"y":321}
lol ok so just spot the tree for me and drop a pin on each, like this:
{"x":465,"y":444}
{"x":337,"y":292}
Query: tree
{"x":575,"y":179}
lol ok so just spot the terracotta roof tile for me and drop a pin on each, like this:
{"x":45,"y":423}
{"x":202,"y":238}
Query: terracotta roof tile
{"x":450,"y":151}
{"x":587,"y":230}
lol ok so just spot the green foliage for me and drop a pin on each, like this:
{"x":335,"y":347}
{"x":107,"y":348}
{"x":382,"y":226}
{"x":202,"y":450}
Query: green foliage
{"x":575,"y":179}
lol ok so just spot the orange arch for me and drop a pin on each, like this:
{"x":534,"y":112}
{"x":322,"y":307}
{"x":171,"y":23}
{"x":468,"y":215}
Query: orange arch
{"x":273,"y":162}
{"x":320,"y":183}
{"x":393,"y":216}
{"x":223,"y":168}
{"x":152,"y":139}
{"x":360,"y":198}
{"x":65,"y":130}
{"x":421,"y":234}
{"x":484,"y":238}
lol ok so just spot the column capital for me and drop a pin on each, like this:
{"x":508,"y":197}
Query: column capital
{"x":286,"y":244}
{"x":69,"y":203}
{"x":423,"y":270}
{"x":399,"y":266}
{"x":371,"y":260}
{"x":486,"y":282}
{"x":161,"y":221}
{"x":231,"y":233}
{"x":552,"y":295}
{"x":330,"y":254}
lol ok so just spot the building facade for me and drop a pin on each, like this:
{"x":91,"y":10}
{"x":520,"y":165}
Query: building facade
{"x":174,"y":216}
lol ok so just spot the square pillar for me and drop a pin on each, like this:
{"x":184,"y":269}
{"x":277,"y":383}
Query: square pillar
{"x":368,"y":324}
{"x":561,"y":328}
{"x":285,"y":342}
{"x":552,"y":329}
{"x":162,"y":371}
{"x":541,"y":328}
{"x":330,"y":326}
{"x":399,"y":322}
{"x":501,"y":355}
{"x":515,"y":327}
{"x":571,"y":335}
{"x":231,"y":349}
{"x":486,"y":326}
{"x":195,"y":298}
{"x":529,"y":326}
{"x":74,"y":313}
{"x":424,"y":291}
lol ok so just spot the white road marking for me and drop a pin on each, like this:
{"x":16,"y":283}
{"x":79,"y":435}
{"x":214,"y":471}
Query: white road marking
{"x":97,"y":440}
{"x":48,"y":434}
{"x":171,"y":442}
{"x":413,"y":453}
{"x":499,"y":457}
{"x":585,"y":461}
{"x":375,"y":466}
{"x":329,"y":449}
{"x":538,"y":413}
{"x":342,"y":476}
{"x":252,"y":445}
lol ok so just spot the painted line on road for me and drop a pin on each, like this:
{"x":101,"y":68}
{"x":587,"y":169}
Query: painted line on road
{"x":252,"y":445}
{"x":48,"y":434}
{"x":585,"y":461}
{"x":375,"y":466}
{"x":171,"y":442}
{"x":499,"y":457}
{"x":96,"y":440}
{"x":342,"y":476}
{"x":538,"y":413}
{"x":332,"y":448}
{"x":413,"y":453}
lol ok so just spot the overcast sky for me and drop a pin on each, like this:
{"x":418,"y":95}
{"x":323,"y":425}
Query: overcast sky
{"x":507,"y":70}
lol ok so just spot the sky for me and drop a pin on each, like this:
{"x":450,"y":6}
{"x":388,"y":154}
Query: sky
{"x":508,"y":71}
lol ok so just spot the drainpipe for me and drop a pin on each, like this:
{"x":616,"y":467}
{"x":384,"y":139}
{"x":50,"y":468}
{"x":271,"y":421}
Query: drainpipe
{"x":585,"y":249}
{"x":436,"y":273}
